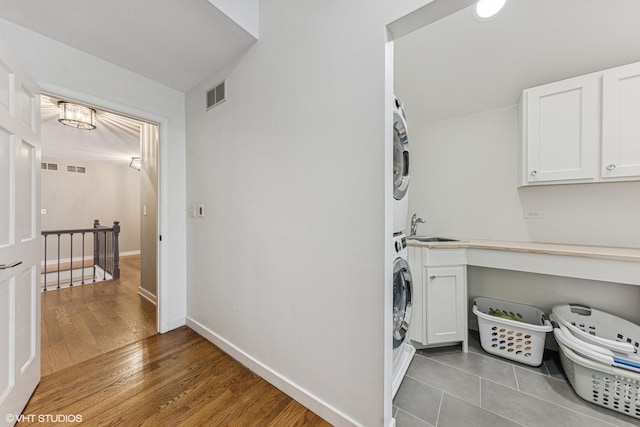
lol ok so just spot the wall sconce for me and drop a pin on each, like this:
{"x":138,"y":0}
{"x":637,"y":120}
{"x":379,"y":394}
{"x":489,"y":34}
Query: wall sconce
{"x":77,"y":116}
{"x":136,"y":163}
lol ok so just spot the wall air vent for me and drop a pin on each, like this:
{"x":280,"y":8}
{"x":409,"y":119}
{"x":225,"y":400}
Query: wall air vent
{"x":49,"y":166}
{"x":216,"y":95}
{"x":77,"y":169}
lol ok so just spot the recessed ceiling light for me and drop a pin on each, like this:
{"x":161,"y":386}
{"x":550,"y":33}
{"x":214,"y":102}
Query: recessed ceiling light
{"x":487,"y":9}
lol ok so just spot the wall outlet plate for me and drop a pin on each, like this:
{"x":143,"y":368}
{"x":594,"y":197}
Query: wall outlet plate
{"x":533,"y":214}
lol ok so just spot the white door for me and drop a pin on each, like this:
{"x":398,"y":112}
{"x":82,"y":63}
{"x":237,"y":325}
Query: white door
{"x":19,"y":237}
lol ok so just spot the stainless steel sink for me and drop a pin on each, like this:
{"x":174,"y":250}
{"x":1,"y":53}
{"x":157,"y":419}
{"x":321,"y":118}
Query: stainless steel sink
{"x":431,"y":239}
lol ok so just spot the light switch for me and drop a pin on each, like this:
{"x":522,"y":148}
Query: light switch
{"x":43,"y":211}
{"x":144,"y":210}
{"x":200,"y":211}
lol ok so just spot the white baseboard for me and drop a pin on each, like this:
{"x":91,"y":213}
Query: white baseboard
{"x":88,"y":258}
{"x":171,"y":325}
{"x":304,"y":397}
{"x":147,"y":295}
{"x":130,"y":253}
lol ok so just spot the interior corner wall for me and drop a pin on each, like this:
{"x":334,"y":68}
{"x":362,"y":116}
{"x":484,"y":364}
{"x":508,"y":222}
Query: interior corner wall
{"x":57,"y":66}
{"x":465,"y":184}
{"x":148,"y":213}
{"x":107,"y":192}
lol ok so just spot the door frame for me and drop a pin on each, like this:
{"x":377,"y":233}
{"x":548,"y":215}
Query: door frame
{"x":162,"y":323}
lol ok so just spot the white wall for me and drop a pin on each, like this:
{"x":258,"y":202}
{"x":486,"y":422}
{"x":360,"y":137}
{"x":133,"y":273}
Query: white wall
{"x":274,"y":268}
{"x":544,"y":291}
{"x":464,"y":183}
{"x":287,"y":269}
{"x":243,"y":13}
{"x":108,"y":192}
{"x":75,"y":74}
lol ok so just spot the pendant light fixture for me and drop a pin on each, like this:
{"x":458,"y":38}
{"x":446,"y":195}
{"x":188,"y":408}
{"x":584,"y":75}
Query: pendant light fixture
{"x":77,"y":116}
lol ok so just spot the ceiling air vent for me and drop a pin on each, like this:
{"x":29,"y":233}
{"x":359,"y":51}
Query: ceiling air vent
{"x":216,"y":96}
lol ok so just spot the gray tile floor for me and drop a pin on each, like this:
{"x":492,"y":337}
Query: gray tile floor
{"x":445,"y":387}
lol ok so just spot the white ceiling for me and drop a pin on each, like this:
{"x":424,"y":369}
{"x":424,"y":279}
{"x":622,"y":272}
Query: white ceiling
{"x":458,"y":66}
{"x":178,"y":43}
{"x":115,"y":139}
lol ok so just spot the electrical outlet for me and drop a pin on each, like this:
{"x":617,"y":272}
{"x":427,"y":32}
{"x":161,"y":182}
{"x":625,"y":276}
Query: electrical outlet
{"x":43,"y":211}
{"x":200,"y":211}
{"x":533,"y":214}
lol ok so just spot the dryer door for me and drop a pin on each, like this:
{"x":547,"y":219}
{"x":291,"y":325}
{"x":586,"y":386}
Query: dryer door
{"x":400,"y":154}
{"x":402,"y":295}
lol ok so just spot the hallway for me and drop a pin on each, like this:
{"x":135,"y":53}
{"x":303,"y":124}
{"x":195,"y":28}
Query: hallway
{"x":81,"y":322}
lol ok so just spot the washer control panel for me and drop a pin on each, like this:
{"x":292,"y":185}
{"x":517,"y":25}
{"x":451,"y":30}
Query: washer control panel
{"x":399,"y":243}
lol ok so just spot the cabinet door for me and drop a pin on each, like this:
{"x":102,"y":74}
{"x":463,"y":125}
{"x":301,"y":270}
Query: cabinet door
{"x":445,"y":302}
{"x":561,"y":130}
{"x":621,"y":122}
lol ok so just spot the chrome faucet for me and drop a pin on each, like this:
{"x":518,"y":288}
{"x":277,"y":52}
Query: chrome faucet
{"x":415,"y":221}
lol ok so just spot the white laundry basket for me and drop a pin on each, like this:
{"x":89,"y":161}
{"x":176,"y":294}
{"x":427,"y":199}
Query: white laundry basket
{"x":599,"y":328}
{"x":613,"y":388}
{"x":520,"y":340}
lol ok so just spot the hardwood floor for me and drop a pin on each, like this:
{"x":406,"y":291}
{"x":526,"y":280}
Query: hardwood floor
{"x":82,"y":322}
{"x":103,"y":360}
{"x":177,"y":378}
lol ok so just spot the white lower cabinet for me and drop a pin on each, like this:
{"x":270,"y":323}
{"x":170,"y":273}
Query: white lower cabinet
{"x":439,"y":315}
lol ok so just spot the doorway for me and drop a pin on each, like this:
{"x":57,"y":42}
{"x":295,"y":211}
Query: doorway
{"x":87,"y":175}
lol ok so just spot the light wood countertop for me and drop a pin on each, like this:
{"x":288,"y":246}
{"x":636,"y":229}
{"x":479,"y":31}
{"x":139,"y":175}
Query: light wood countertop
{"x":600,"y":252}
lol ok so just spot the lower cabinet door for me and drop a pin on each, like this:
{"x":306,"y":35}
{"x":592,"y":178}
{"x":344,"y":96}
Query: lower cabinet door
{"x":444,"y":301}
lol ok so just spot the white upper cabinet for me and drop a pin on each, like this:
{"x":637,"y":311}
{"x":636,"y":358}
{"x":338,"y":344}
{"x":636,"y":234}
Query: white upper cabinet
{"x":583,"y":129}
{"x":621,"y":122}
{"x":561,"y":130}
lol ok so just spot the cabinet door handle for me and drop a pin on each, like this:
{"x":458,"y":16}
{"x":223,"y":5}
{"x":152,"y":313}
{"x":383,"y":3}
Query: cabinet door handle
{"x":533,"y":173}
{"x":611,"y":167}
{"x":432,"y":277}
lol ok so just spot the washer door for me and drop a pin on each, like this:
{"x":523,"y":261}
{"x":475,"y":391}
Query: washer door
{"x":402,"y":294}
{"x":400,"y":153}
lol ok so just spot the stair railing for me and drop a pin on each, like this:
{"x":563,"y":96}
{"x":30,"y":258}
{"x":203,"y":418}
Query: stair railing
{"x":106,"y":253}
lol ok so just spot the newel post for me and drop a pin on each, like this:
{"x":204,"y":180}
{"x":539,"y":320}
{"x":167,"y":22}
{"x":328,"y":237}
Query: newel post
{"x":116,"y":250}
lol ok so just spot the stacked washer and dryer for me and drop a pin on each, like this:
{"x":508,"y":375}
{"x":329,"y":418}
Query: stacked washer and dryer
{"x":402,"y":281}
